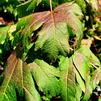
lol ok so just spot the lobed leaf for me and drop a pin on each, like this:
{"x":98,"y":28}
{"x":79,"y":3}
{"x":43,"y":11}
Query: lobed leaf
{"x":17,"y":82}
{"x":50,"y":28}
{"x":57,"y":25}
{"x":46,"y":79}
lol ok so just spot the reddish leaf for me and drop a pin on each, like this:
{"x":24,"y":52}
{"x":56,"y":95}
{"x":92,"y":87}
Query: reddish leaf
{"x":62,"y":23}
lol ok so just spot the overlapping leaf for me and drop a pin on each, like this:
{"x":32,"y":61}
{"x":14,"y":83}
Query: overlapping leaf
{"x":85,"y":63}
{"x":70,"y":90}
{"x":82,"y":4}
{"x":27,"y":7}
{"x":22,"y":33}
{"x":78,"y":73}
{"x":31,"y":94}
{"x":17,"y":80}
{"x":64,"y":66}
{"x":12,"y":76}
{"x":45,"y":77}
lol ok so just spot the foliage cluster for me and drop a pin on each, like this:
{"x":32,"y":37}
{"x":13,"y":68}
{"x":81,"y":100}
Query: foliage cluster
{"x":50,"y":50}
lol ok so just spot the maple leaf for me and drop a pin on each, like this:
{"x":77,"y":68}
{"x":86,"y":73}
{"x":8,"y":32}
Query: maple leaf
{"x":17,"y":80}
{"x":45,"y":76}
{"x":56,"y":29}
{"x":50,"y":27}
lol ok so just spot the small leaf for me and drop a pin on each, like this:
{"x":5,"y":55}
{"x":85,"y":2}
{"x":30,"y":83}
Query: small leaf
{"x":96,"y":78}
{"x":3,"y":34}
{"x":94,"y":61}
{"x":33,"y":4}
{"x":27,"y":7}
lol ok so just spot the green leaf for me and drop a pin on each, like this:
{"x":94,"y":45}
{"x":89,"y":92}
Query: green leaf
{"x":70,"y":91}
{"x":63,"y":66}
{"x":93,"y":60}
{"x":89,"y":89}
{"x":22,"y":34}
{"x":85,"y":60}
{"x":99,"y":99}
{"x":82,"y":4}
{"x":92,"y":83}
{"x":31,"y":94}
{"x":3,"y":34}
{"x":86,"y":65}
{"x":82,"y":68}
{"x":80,"y":81}
{"x":27,"y":7}
{"x":72,"y":86}
{"x":34,"y":3}
{"x":48,"y":68}
{"x":45,"y":77}
{"x":17,"y":80}
{"x":12,"y":80}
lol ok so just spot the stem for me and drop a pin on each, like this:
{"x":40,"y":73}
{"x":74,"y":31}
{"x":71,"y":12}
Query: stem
{"x":51,"y":12}
{"x":50,"y":5}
